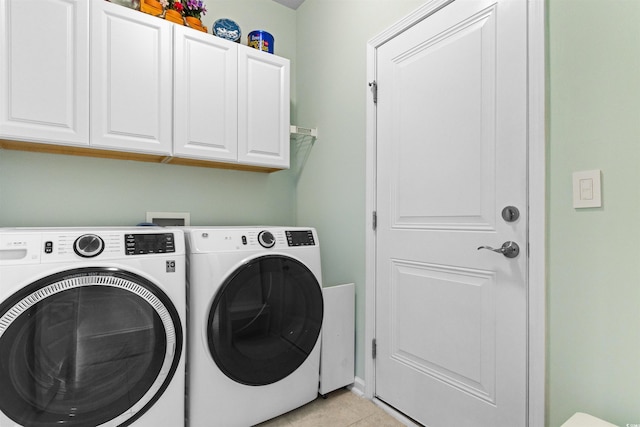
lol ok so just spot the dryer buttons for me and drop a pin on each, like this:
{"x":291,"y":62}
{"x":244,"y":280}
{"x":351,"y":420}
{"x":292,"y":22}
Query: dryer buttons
{"x":88,"y":245}
{"x":266,"y":239}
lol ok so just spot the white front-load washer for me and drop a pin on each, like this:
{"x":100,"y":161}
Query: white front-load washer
{"x":92,"y":327}
{"x":255,"y":316}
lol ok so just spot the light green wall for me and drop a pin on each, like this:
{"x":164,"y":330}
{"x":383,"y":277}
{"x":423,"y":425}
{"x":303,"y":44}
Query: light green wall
{"x":53,"y":190}
{"x":332,"y":90}
{"x":594,"y":255}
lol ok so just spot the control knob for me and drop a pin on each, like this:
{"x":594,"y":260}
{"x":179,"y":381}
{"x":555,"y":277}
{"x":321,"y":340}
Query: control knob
{"x":266,"y":239}
{"x":88,"y":245}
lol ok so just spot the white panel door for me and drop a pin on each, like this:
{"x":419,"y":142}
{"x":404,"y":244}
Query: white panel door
{"x":132,"y":80}
{"x":44,"y":71}
{"x":206,"y":96}
{"x":451,"y":320}
{"x":263,"y":108}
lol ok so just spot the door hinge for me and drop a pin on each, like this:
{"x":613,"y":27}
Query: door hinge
{"x":374,"y":88}
{"x":374,"y":348}
{"x":374,"y":220}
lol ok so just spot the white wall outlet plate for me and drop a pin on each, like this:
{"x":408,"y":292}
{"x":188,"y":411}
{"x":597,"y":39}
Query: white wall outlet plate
{"x":587,"y":190}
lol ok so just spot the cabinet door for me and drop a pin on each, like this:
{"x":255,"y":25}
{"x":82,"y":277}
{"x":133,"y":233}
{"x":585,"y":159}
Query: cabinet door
{"x":131,"y":84}
{"x":44,"y":71}
{"x":263,"y":108}
{"x":205,"y":96}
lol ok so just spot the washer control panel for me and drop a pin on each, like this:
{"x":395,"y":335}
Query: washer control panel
{"x":50,"y":245}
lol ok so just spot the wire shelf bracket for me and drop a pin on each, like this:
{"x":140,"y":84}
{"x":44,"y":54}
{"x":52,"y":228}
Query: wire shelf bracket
{"x":302,"y":139}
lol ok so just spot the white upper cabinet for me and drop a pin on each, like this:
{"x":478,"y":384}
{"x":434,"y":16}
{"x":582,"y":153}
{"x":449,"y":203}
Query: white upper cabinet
{"x":44,"y":71}
{"x":205,"y":96}
{"x":132,"y":80}
{"x":263,"y":108}
{"x":231,"y":102}
{"x":93,"y":74}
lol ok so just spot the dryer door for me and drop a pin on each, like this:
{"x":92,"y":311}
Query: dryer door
{"x":87,"y":347}
{"x":265,"y":320}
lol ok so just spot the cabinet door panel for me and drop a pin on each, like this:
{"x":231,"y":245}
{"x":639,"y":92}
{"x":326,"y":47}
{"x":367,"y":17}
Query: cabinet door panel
{"x":263,"y":108}
{"x":44,"y":71}
{"x":132,"y":80}
{"x":205,"y":96}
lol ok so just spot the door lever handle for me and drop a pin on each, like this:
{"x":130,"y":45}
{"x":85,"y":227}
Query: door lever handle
{"x":509,"y":249}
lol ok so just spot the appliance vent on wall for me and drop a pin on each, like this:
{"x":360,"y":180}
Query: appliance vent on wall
{"x":169,"y":219}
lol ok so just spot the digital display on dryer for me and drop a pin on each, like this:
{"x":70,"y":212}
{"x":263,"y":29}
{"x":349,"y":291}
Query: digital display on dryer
{"x":139,"y":244}
{"x":300,"y":238}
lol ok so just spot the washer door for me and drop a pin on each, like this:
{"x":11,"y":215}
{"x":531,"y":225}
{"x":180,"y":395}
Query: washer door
{"x":87,"y":347}
{"x":265,"y":320}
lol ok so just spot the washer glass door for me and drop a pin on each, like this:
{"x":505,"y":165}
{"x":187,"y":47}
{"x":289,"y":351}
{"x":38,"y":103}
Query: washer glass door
{"x":265,"y":320}
{"x":86,"y":347}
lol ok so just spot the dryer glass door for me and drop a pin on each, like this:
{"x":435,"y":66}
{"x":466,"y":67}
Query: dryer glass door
{"x":265,"y":320}
{"x":85,"y":348}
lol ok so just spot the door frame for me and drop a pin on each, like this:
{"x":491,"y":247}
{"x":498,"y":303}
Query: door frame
{"x":536,"y":188}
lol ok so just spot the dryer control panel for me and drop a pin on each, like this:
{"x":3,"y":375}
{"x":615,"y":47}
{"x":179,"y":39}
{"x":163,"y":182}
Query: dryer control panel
{"x":224,"y":239}
{"x":300,"y":238}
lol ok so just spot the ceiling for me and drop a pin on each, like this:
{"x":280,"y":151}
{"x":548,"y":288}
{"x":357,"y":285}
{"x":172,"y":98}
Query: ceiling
{"x":293,"y":4}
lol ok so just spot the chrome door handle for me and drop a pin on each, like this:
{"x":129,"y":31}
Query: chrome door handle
{"x":509,"y":249}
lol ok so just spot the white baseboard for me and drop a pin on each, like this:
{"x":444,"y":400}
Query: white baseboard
{"x":358,"y":388}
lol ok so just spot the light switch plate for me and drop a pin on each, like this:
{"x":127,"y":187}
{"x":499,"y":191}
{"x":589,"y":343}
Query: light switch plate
{"x":587,"y":190}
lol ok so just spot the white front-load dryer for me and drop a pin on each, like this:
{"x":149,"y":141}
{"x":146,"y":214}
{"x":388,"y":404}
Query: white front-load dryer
{"x":92,"y":326}
{"x":255,"y":316}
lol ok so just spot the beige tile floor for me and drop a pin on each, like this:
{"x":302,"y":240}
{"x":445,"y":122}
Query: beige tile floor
{"x":341,"y":408}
